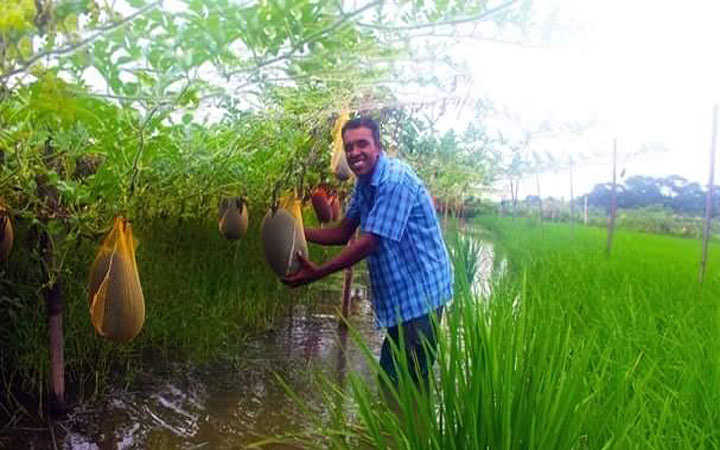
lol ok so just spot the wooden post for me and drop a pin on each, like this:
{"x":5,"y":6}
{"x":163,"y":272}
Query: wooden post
{"x":572,"y":201}
{"x":709,"y":197}
{"x":586,"y":209}
{"x":540,"y":208}
{"x":55,"y":306}
{"x":613,"y":201}
{"x":53,"y":288}
{"x":347,"y":289}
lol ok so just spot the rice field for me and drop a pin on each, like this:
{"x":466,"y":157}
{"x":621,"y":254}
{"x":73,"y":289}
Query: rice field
{"x":572,"y":349}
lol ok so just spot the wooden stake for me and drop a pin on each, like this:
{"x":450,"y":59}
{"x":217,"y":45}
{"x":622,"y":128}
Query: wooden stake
{"x":347,"y":290}
{"x":540,"y":208}
{"x":52,"y":289}
{"x":613,"y":201}
{"x":709,"y":197}
{"x":55,"y":306}
{"x":572,"y":201}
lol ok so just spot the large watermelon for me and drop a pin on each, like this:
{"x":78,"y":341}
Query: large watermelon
{"x":283,"y":237}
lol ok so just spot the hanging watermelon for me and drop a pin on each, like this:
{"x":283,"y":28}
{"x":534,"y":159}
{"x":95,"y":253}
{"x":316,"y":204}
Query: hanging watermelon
{"x":117,"y":305}
{"x":6,"y":233}
{"x":283,"y":236}
{"x":233,"y":221}
{"x":338,"y":162}
{"x":321,"y":205}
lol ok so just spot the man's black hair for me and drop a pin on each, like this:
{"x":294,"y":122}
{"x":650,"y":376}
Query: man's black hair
{"x":364,"y":122}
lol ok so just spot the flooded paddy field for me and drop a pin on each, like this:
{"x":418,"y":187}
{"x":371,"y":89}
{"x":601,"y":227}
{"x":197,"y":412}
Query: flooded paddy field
{"x":227,"y":405}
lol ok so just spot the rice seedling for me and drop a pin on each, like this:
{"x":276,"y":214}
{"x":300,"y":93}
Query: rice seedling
{"x":572,"y":350}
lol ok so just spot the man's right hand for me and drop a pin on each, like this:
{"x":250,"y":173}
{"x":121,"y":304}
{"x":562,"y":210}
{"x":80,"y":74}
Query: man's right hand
{"x":307,"y":273}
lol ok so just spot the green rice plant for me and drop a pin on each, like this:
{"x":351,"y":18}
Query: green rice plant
{"x":572,"y":349}
{"x":466,"y":251}
{"x":642,"y":314}
{"x":507,"y":376}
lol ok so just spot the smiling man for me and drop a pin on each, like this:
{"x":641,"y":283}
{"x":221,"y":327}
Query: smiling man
{"x":410,"y":273}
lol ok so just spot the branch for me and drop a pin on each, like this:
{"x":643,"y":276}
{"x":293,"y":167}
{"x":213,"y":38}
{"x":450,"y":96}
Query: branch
{"x":473,"y":38}
{"x":310,"y":39}
{"x":71,"y":48}
{"x":435,"y":24}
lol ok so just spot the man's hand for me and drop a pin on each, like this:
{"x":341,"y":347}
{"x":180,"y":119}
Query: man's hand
{"x":308,"y":273}
{"x":355,"y":251}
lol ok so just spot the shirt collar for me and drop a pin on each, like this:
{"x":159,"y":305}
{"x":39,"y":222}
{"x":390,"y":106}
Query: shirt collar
{"x":378,"y":172}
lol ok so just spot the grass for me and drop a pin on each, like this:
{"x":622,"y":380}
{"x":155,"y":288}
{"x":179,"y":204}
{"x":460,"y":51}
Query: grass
{"x":204,"y":297}
{"x":572,"y":350}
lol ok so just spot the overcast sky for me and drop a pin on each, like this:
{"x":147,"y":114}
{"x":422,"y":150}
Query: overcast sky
{"x":644,"y":71}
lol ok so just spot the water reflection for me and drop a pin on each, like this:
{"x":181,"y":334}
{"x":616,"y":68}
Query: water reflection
{"x":231,"y":407}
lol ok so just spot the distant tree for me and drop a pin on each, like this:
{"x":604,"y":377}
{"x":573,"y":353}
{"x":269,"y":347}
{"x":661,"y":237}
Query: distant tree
{"x":671,"y":185}
{"x":532,"y":200}
{"x":641,"y":191}
{"x":674,"y":192}
{"x":601,"y":195}
{"x":689,"y":199}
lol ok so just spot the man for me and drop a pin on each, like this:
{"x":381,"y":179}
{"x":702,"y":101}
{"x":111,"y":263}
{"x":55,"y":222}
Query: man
{"x":410,"y":272}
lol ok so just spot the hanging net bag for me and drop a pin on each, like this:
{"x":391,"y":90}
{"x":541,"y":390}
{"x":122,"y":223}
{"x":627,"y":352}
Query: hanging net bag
{"x":6,"y":233}
{"x":117,"y":305}
{"x":338,"y":161}
{"x":283,"y":236}
{"x":321,"y":205}
{"x":233,"y":221}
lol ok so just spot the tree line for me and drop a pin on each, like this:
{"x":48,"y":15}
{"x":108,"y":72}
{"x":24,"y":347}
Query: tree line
{"x":673,"y":192}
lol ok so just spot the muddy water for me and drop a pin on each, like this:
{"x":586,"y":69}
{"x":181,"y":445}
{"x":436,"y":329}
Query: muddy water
{"x":234,"y":406}
{"x":224,"y":407}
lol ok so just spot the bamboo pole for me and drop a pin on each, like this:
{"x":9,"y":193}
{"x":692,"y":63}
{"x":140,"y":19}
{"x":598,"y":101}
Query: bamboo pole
{"x":709,"y":197}
{"x":572,"y":201}
{"x":613,"y":201}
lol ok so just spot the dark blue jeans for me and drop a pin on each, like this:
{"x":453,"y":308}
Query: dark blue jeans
{"x":419,"y":345}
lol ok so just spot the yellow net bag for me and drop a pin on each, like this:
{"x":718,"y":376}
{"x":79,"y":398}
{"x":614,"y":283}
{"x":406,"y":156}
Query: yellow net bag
{"x":6,"y":233}
{"x":283,"y":236}
{"x":338,"y":161}
{"x":117,"y":305}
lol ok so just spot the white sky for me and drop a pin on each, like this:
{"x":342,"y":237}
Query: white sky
{"x":645,"y":71}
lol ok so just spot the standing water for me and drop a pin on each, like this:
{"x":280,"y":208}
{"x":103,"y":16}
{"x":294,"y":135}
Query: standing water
{"x":234,"y":406}
{"x":229,"y":406}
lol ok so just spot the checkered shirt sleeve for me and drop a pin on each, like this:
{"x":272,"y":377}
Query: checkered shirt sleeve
{"x":391,"y":209}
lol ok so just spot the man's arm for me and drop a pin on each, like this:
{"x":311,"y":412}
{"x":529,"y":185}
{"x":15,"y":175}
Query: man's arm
{"x":354,"y":252}
{"x":338,"y":235}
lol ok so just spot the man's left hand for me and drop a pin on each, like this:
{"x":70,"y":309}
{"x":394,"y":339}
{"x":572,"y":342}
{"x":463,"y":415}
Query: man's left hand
{"x":308,"y":273}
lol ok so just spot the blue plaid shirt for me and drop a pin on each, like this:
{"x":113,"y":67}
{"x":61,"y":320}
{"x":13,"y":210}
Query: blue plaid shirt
{"x":410,"y":270}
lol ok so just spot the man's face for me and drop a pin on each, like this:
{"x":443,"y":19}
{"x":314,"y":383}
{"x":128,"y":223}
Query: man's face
{"x":361,"y":150}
